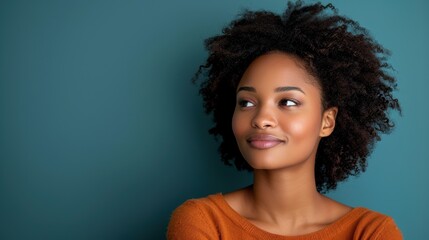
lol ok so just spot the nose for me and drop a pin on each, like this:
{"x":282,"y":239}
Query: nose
{"x":264,"y":118}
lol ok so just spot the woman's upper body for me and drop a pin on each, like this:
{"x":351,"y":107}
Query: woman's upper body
{"x":213,"y":218}
{"x":299,"y":100}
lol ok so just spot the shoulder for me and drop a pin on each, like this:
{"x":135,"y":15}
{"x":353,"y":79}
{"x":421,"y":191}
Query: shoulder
{"x":369,"y":224}
{"x":194,"y":219}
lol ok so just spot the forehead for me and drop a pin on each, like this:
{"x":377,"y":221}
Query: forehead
{"x":277,"y":67}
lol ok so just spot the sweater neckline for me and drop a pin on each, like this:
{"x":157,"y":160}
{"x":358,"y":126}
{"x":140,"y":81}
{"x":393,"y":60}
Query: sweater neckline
{"x":327,"y":232}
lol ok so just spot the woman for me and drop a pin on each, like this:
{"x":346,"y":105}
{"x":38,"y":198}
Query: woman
{"x":299,"y":100}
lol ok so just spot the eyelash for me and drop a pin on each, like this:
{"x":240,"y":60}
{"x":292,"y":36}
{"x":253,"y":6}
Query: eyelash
{"x":242,"y":103}
{"x":282,"y":102}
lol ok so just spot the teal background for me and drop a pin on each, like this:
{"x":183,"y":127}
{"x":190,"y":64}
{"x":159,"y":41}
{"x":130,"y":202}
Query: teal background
{"x":102,"y":133}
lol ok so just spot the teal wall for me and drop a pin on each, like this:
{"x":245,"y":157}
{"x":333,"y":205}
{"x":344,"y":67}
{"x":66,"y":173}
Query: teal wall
{"x":102,"y":134}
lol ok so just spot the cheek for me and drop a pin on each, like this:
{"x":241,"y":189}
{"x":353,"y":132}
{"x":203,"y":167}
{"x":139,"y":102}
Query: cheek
{"x":304,"y":127}
{"x":239,"y":125}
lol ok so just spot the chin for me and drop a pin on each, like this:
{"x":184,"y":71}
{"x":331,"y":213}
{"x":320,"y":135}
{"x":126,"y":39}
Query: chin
{"x":264,"y":164}
{"x":274,"y":162}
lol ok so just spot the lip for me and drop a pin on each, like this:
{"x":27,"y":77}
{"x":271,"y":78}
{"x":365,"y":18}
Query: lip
{"x":264,"y":141}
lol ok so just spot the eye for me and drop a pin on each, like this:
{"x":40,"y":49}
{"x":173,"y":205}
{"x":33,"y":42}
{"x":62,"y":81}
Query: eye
{"x":245,"y":104}
{"x":288,"y":103}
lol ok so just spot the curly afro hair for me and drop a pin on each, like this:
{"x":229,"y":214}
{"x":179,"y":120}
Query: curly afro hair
{"x":349,"y":65}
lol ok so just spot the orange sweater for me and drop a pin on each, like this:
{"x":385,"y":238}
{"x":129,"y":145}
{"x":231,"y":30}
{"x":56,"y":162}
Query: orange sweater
{"x":212,"y":218}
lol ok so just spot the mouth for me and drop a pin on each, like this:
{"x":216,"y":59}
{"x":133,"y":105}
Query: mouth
{"x":263,"y":141}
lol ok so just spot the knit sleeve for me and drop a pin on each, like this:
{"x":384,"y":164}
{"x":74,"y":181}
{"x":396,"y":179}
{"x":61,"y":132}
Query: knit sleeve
{"x":389,"y":231}
{"x":189,"y":222}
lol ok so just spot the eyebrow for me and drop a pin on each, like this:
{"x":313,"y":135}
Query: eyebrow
{"x":289,"y":88}
{"x":279,"y":89}
{"x":245,"y":88}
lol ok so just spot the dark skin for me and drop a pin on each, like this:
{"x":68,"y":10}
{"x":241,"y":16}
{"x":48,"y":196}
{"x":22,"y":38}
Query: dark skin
{"x":278,"y":123}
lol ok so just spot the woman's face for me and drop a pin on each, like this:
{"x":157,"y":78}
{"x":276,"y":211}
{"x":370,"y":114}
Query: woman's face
{"x":278,"y":119}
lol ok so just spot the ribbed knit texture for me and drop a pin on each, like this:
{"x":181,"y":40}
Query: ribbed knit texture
{"x":212,"y":218}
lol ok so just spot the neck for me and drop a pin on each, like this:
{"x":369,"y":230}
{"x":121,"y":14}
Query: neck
{"x":285,"y":194}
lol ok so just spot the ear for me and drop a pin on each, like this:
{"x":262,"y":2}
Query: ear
{"x":328,"y":121}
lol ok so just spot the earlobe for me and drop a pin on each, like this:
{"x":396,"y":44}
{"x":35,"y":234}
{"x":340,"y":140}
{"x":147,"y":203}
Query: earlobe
{"x":328,"y":121}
